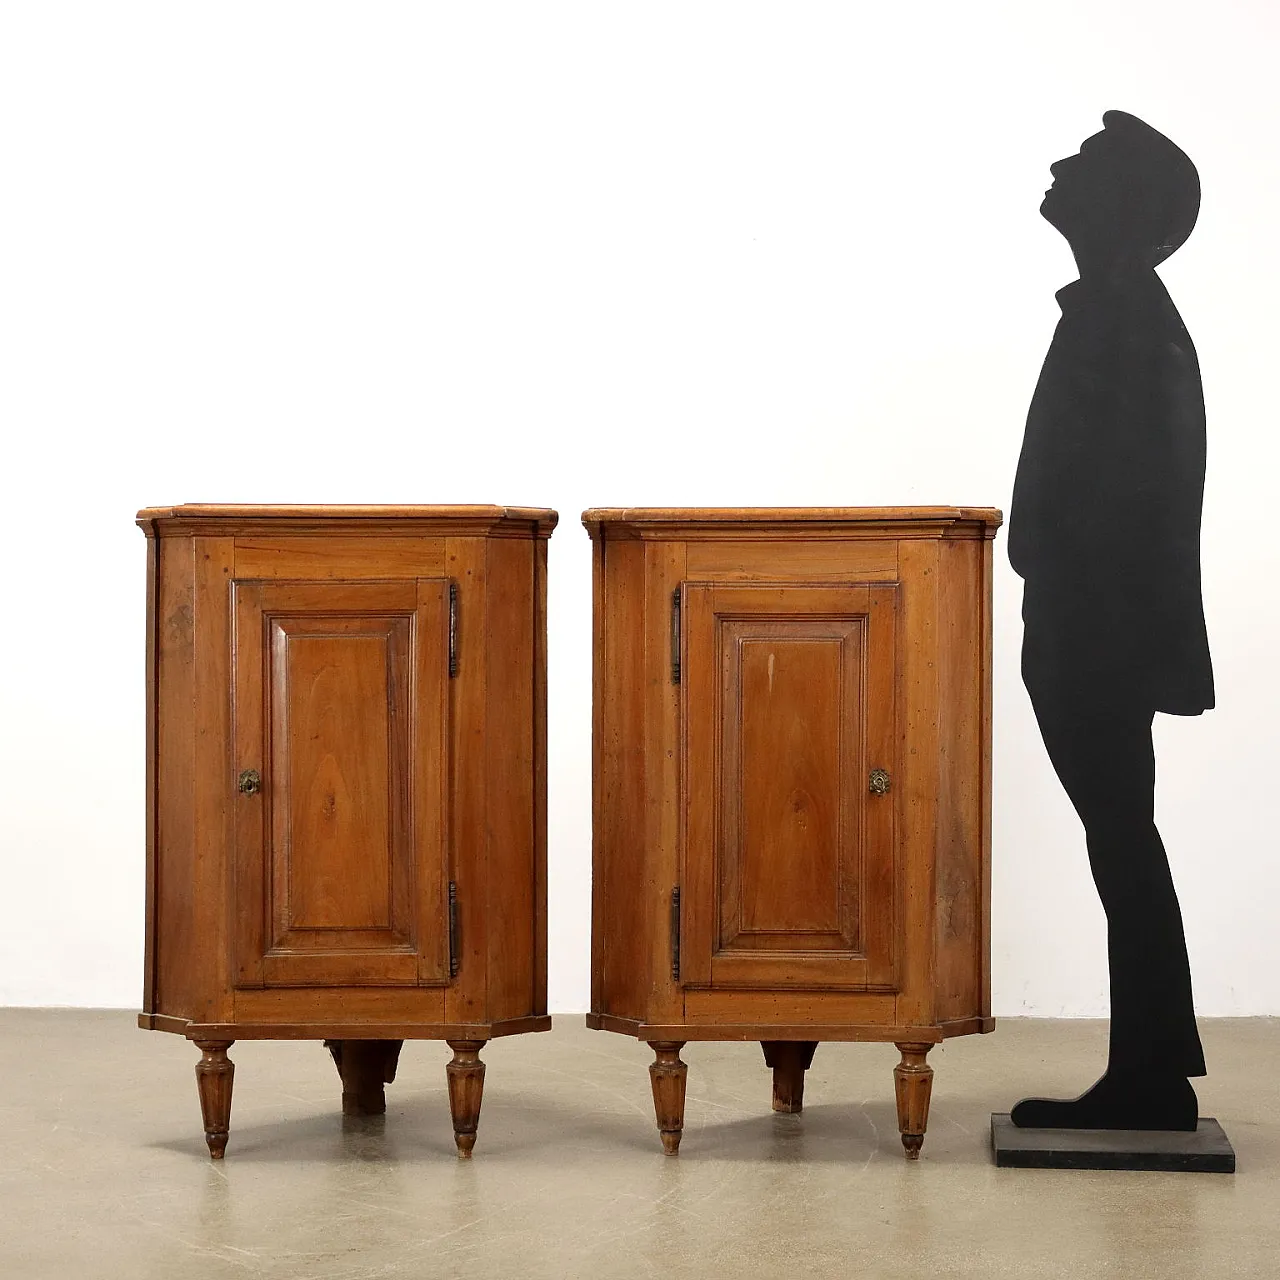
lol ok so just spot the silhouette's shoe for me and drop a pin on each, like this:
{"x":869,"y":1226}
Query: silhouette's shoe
{"x":1116,"y":1102}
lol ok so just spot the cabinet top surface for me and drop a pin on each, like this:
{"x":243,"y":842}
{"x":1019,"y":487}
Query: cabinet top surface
{"x":226,"y":517}
{"x":988,"y":517}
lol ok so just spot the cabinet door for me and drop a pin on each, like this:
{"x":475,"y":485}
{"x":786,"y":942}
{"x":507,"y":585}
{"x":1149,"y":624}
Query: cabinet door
{"x":788,"y":705}
{"x":341,"y":707}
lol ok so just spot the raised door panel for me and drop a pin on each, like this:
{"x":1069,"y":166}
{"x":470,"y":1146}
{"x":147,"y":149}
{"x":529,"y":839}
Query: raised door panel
{"x":788,"y":705}
{"x":341,"y":708}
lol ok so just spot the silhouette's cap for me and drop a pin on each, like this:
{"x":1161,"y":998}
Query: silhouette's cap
{"x":1165,"y":177}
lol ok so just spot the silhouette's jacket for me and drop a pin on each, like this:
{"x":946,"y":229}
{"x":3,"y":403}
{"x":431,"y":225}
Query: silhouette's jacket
{"x":1104,"y":529}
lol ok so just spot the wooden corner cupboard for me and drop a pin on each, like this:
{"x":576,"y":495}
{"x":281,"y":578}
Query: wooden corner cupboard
{"x":346,"y":782}
{"x":792,"y":780}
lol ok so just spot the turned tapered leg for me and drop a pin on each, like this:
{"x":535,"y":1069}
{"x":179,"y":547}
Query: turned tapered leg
{"x":913,"y":1083}
{"x":215,"y":1074}
{"x":667,"y":1075}
{"x":790,"y":1059}
{"x":365,"y":1066}
{"x":466,"y":1089}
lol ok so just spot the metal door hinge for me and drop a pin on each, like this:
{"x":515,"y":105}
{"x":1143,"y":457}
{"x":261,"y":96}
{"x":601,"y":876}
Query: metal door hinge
{"x":675,"y":934}
{"x":675,"y":636}
{"x":453,"y":629}
{"x":453,"y":928}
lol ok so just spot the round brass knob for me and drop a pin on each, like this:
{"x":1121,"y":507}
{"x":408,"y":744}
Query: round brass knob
{"x":878,"y":782}
{"x":250,"y":782}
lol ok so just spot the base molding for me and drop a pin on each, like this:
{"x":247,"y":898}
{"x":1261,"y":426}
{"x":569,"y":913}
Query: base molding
{"x":344,"y":1030}
{"x":1205,"y":1150}
{"x":807,"y":1031}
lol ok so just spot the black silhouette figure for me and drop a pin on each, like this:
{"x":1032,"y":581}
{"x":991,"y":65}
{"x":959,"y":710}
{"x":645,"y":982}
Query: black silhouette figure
{"x":1105,"y":531}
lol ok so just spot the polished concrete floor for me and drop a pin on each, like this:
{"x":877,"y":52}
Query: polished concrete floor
{"x":103,"y":1170}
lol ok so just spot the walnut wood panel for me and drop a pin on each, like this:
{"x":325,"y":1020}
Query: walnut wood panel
{"x":781,"y":832}
{"x":603,"y":771}
{"x":791,"y":746}
{"x":984,"y":792}
{"x":539,"y":776}
{"x":431,"y":736}
{"x":152,"y":695}
{"x":177,"y":942}
{"x":960,"y":874}
{"x":341,"y":558}
{"x":658,"y":872}
{"x":800,"y":905}
{"x":211,"y":799}
{"x":919,"y":779}
{"x":466,"y":561}
{"x":746,"y":561}
{"x":622,"y":914}
{"x":367,"y":1004}
{"x":509,"y":713}
{"x":312,"y":644}
{"x":784,"y":1005}
{"x":340,"y":846}
{"x":340,"y":703}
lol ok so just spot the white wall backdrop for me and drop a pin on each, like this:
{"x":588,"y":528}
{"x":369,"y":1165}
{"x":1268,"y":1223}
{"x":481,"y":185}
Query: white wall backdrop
{"x":598,"y":254}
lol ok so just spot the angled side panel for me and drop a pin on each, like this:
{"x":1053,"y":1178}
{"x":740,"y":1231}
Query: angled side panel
{"x":172,"y":921}
{"x":622,"y":937}
{"x":963,"y":888}
{"x":509,"y":744}
{"x":919,"y":564}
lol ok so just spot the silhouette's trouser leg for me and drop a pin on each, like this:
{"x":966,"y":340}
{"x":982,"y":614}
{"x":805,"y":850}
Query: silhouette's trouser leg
{"x":1102,"y":751}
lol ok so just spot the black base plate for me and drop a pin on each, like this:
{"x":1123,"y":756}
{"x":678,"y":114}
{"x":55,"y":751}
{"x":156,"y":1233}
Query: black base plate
{"x":1207,"y":1150}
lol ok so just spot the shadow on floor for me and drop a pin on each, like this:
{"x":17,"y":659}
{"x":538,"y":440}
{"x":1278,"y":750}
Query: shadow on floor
{"x":418,"y":1129}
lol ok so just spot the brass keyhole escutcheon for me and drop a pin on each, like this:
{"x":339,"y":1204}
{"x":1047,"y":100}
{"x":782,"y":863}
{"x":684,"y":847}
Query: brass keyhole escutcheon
{"x":878,"y":782}
{"x":250,"y":782}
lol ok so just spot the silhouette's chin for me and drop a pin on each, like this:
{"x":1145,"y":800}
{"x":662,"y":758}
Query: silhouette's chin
{"x":1054,"y":213}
